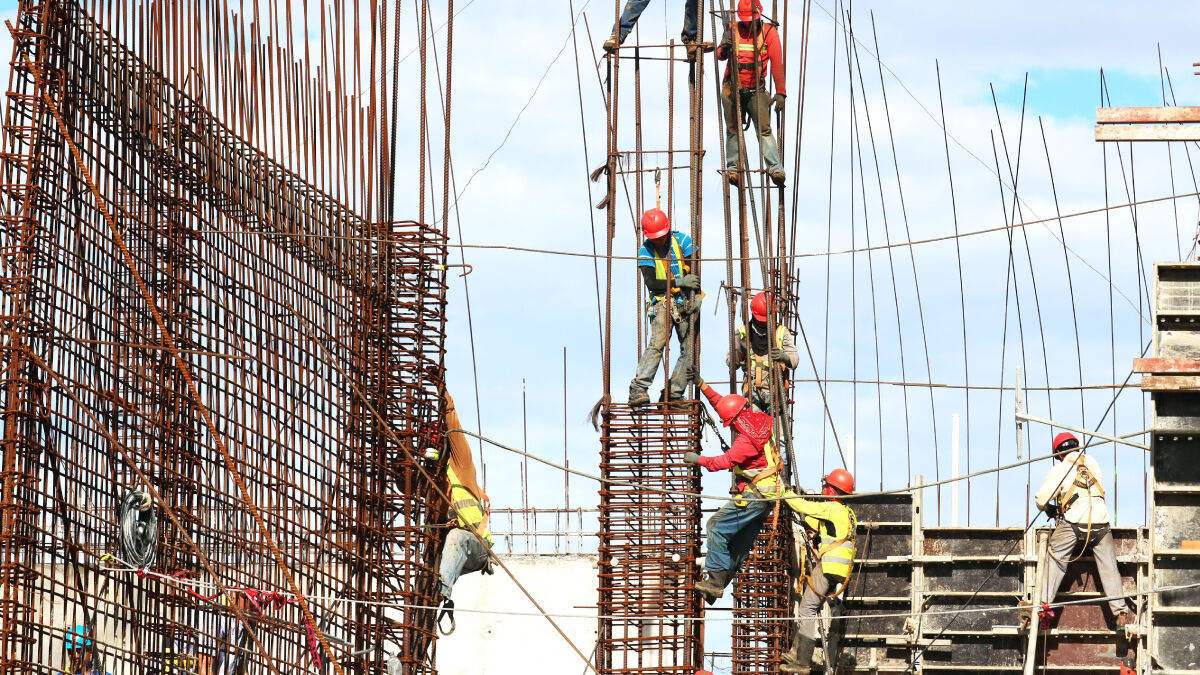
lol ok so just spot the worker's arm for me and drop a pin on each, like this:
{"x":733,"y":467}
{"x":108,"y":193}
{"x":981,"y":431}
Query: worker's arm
{"x":653,"y":284}
{"x":726,"y":45}
{"x":741,"y":354}
{"x":775,"y":56}
{"x":742,"y":450}
{"x":789,"y":348}
{"x":1050,"y":486}
{"x":712,"y":394}
{"x":825,"y":509}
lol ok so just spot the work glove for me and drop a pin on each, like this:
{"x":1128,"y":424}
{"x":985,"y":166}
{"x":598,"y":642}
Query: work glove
{"x":690,"y":282}
{"x":778,"y":355}
{"x":778,"y":101}
{"x":691,"y":458}
{"x":726,"y":42}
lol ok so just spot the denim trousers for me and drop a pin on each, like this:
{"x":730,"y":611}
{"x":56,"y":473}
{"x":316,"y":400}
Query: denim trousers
{"x":634,"y":8}
{"x":757,"y":103}
{"x":462,"y":553}
{"x":661,"y":322}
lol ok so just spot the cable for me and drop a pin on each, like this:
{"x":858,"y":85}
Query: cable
{"x":137,"y":522}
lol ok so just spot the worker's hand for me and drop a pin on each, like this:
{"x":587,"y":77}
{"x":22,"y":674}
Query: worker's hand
{"x":777,"y":354}
{"x":691,"y":458}
{"x":726,"y":41}
{"x":690,"y":282}
{"x":778,"y":101}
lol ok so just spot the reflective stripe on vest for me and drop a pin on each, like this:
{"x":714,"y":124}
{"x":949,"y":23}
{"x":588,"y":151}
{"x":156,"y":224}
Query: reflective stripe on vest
{"x":662,"y":266}
{"x":765,"y":477}
{"x":838,"y":555}
{"x":762,"y":364}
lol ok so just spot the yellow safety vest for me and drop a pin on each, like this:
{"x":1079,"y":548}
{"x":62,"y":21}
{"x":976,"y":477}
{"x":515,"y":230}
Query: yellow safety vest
{"x":764,"y":479}
{"x":761,"y":365}
{"x":837,"y":548}
{"x":467,"y":508}
{"x":662,"y":265}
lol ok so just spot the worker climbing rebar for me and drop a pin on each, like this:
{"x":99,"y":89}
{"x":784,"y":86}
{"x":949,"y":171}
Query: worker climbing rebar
{"x":665,"y":260}
{"x":468,"y":544}
{"x":829,"y":526}
{"x":751,"y":45}
{"x":756,"y":461}
{"x":1073,"y":494}
{"x":767,"y":352}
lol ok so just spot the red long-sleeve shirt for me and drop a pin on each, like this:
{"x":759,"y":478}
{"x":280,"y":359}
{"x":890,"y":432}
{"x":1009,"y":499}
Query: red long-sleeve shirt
{"x":774,"y":54}
{"x":748,"y":449}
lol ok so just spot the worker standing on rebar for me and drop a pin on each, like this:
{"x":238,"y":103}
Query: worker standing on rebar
{"x":768,"y":353}
{"x":665,"y":260}
{"x":754,"y":458}
{"x":1074,"y":494}
{"x":633,"y":11}
{"x":751,"y":45}
{"x":829,"y":526}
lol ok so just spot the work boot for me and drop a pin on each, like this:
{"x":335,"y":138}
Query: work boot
{"x":610,"y":45}
{"x":731,"y":175}
{"x":778,"y":176}
{"x":714,"y":585}
{"x":638,"y":398}
{"x":799,"y":658}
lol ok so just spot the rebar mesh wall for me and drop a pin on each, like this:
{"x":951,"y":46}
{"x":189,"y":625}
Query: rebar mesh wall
{"x":648,"y":542}
{"x":318,"y":359}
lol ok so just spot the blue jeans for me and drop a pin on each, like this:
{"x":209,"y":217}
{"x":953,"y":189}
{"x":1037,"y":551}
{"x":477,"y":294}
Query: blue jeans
{"x":660,"y":333}
{"x":731,"y":533}
{"x":463,"y":553}
{"x":634,"y":9}
{"x":757,"y":103}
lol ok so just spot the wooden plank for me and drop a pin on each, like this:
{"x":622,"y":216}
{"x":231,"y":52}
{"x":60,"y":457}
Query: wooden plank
{"x":1171,"y":383}
{"x":1148,"y":115}
{"x":1162,"y":366}
{"x":1148,"y":132}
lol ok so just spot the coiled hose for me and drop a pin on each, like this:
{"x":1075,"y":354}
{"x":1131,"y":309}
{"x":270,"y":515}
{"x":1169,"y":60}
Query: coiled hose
{"x":137,"y":520}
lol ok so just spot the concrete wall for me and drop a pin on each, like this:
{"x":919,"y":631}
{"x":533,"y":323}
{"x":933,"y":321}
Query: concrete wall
{"x":499,"y":644}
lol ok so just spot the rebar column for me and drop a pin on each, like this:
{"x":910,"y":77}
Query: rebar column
{"x":761,"y":594}
{"x":649,"y":541}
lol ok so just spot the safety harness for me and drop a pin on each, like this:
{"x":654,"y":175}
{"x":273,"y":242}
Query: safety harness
{"x":761,"y":364}
{"x":1083,"y":480}
{"x":662,"y":265}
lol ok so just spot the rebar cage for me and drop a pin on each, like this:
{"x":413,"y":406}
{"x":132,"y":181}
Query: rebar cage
{"x":186,"y":317}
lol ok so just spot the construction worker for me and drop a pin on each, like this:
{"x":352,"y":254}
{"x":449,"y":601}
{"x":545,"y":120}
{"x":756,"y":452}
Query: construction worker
{"x":81,"y":655}
{"x":750,"y":46}
{"x":752,"y":456}
{"x":468,"y":544}
{"x":780,"y":351}
{"x":666,"y":257}
{"x":633,"y":10}
{"x":1073,"y":493}
{"x":830,"y":527}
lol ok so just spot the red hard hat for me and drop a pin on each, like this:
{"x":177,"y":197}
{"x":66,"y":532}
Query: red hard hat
{"x":749,"y":10}
{"x":1067,"y":439}
{"x":730,"y":406}
{"x":759,"y":305}
{"x":840,"y":479}
{"x":655,"y":224}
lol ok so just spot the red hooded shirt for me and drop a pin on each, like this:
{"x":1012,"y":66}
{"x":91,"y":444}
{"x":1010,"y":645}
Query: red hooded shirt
{"x":748,"y":449}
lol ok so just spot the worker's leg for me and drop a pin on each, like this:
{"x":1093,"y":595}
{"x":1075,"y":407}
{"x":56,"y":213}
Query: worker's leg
{"x":460,"y":554}
{"x":815,"y":589}
{"x":629,"y":16}
{"x":733,"y":126}
{"x":691,"y":13}
{"x":660,"y":332}
{"x":1062,"y":542}
{"x":759,"y":105}
{"x":731,"y":533}
{"x":685,"y":366}
{"x":1106,"y":563}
